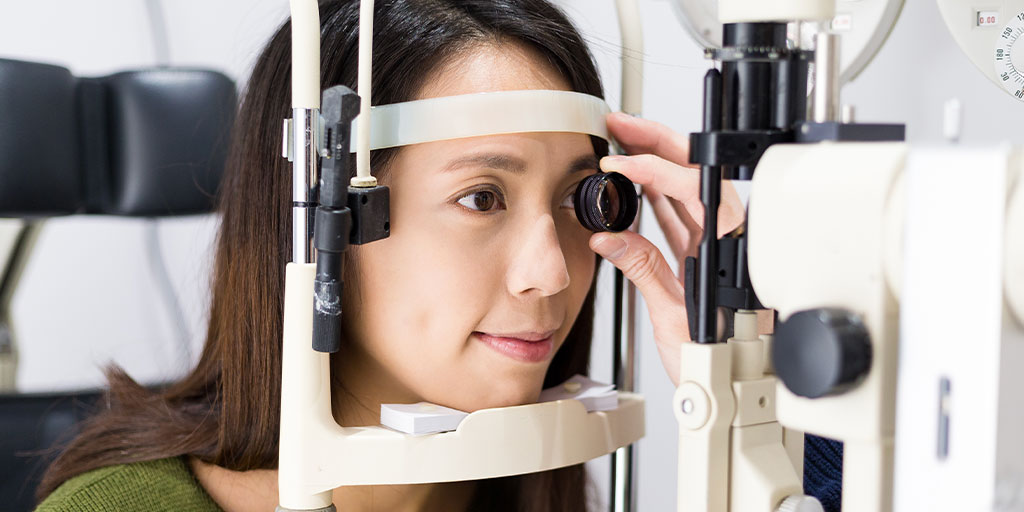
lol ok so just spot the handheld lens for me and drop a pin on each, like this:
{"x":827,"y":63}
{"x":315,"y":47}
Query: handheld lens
{"x":606,"y":202}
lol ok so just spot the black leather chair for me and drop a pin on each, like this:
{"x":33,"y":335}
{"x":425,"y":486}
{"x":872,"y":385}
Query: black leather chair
{"x":141,"y":143}
{"x":34,"y":427}
{"x":144,"y":143}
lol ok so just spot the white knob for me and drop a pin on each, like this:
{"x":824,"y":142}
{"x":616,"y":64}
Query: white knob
{"x":952,"y":120}
{"x":800,"y":503}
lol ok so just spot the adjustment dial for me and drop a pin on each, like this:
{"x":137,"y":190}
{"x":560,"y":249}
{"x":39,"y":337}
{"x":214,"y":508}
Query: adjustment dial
{"x":1009,"y":56}
{"x":821,"y":352}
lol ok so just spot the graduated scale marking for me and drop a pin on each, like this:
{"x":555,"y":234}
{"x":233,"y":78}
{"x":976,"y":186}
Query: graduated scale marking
{"x":1009,"y":66}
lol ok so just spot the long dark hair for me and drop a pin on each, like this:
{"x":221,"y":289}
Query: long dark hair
{"x":225,"y":412}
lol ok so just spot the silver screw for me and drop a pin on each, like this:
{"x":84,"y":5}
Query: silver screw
{"x":687,"y":406}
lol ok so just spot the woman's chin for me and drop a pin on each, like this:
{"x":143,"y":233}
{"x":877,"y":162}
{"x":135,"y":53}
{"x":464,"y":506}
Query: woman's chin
{"x":490,"y":398}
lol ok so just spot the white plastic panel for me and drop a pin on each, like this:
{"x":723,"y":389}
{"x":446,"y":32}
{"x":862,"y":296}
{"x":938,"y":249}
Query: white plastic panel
{"x":959,"y":414}
{"x":1014,"y":262}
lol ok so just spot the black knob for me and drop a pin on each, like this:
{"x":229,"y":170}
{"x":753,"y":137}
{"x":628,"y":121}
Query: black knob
{"x":821,"y":352}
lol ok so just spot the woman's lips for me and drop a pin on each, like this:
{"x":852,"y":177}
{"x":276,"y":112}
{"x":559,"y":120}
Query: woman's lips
{"x":520,"y":349}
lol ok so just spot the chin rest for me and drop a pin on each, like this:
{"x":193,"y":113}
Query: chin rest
{"x":143,"y":143}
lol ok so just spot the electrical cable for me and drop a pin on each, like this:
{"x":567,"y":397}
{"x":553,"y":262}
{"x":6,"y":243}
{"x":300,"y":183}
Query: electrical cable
{"x":158,"y":27}
{"x":158,"y":269}
{"x":154,"y":250}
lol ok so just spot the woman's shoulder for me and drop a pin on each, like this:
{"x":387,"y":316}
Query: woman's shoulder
{"x":163,"y":484}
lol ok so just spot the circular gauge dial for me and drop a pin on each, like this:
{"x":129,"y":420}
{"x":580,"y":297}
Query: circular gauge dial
{"x":1009,"y":57}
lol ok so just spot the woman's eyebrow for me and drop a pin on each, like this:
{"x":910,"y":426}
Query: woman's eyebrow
{"x":489,"y":160}
{"x":513,"y":164}
{"x":583,"y":163}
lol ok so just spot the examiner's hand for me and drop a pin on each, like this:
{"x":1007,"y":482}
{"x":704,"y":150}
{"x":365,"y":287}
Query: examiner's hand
{"x":659,"y":161}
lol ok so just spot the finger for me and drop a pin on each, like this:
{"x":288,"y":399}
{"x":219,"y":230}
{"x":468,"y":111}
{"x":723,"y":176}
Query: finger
{"x":765,"y":321}
{"x":679,"y":235}
{"x":696,"y":232}
{"x":663,"y":176}
{"x":637,"y":136}
{"x":642,"y":136}
{"x":643,"y":264}
{"x":731,"y":213}
{"x":681,"y":184}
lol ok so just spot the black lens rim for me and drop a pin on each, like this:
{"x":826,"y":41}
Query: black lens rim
{"x":587,"y":205}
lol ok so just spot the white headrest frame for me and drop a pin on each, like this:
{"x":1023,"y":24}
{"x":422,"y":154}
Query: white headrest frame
{"x":488,"y":113}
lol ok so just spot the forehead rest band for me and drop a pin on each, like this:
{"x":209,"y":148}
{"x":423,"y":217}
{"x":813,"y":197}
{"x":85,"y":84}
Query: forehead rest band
{"x":488,"y":113}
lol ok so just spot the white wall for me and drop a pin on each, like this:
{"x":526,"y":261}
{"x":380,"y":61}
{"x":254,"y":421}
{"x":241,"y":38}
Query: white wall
{"x":88,"y":296}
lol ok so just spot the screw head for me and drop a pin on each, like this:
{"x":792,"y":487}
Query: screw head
{"x":687,"y":406}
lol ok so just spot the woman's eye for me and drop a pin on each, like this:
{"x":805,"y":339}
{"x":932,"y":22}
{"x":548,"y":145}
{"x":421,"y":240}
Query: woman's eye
{"x":480,"y":200}
{"x":569,"y":201}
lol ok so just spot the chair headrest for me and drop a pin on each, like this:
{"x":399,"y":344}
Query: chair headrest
{"x":145,"y":143}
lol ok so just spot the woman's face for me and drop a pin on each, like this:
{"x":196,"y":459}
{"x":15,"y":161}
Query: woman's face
{"x":487,"y":267}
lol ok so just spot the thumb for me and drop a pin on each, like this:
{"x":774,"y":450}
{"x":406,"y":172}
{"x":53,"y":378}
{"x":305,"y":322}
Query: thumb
{"x":645,"y":266}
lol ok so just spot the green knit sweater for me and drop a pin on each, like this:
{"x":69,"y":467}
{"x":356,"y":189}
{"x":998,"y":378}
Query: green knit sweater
{"x":157,"y":486}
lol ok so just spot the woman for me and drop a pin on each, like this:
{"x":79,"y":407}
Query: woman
{"x":485,"y":249}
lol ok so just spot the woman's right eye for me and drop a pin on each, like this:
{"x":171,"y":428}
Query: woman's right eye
{"x":481,"y":201}
{"x":570,"y":200}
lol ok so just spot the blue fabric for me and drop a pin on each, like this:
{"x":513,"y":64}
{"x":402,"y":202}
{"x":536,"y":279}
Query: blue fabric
{"x":823,"y":471}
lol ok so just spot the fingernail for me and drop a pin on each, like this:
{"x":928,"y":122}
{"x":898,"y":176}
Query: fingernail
{"x":610,"y":246}
{"x":612,"y":162}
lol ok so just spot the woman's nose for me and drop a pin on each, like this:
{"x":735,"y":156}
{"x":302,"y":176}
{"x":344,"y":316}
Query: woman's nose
{"x":537,"y":265}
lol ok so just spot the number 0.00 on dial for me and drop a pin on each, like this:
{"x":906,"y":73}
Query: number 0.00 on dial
{"x":1009,"y":56}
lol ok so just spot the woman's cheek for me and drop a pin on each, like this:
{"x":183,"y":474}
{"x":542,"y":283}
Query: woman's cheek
{"x":457,"y":274}
{"x":578,"y":256}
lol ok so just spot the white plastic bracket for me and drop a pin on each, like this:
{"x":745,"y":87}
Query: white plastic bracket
{"x":733,"y":454}
{"x":704,"y":406}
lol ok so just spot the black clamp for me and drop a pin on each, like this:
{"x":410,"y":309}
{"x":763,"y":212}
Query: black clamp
{"x":371,"y":214}
{"x":810,"y":131}
{"x":733,"y":292}
{"x":346,"y":215}
{"x":733,"y":148}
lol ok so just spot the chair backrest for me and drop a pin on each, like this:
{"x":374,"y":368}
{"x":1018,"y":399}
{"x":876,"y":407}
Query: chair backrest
{"x":138,"y":143}
{"x":143,"y":143}
{"x":34,"y":426}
